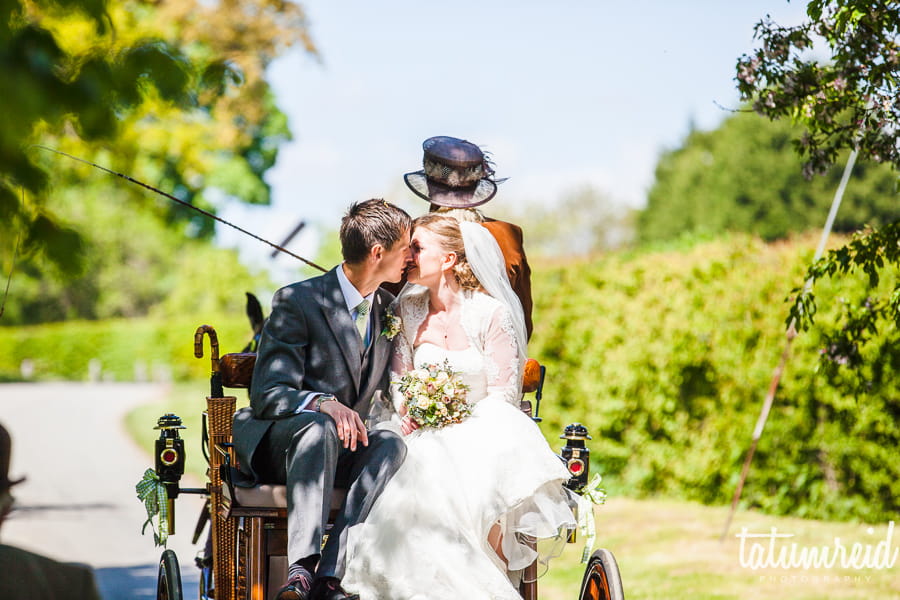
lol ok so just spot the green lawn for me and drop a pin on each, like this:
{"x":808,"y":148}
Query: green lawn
{"x":670,"y":550}
{"x":666,"y":549}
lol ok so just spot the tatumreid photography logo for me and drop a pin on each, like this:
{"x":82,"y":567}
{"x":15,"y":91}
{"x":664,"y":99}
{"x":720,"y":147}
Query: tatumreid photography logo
{"x":777,"y":550}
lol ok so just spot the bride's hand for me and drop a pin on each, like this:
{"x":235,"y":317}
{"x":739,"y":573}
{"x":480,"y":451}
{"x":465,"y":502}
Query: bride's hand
{"x":407,"y":425}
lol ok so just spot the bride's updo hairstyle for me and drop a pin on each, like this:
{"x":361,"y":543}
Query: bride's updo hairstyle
{"x":447,"y":229}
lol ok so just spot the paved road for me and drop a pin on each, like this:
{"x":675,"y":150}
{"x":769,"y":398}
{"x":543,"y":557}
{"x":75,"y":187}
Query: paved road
{"x":78,"y":503}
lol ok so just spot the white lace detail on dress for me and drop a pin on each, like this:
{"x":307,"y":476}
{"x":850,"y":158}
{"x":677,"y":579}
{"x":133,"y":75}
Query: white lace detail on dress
{"x":489,"y":329}
{"x":412,"y":308}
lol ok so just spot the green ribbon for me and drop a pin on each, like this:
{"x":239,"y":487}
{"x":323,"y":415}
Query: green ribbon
{"x":152,"y":492}
{"x":589,"y":496}
{"x":593,"y":492}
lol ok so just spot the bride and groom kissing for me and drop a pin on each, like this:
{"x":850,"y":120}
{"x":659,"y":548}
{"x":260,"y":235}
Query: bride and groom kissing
{"x":429,"y":512}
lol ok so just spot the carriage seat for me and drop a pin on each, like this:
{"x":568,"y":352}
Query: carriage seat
{"x":268,"y":496}
{"x":263,"y":499}
{"x":235,"y":370}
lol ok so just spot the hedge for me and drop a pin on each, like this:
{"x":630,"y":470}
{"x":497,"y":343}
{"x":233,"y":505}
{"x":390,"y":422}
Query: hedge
{"x":120,"y":350}
{"x":667,"y":357}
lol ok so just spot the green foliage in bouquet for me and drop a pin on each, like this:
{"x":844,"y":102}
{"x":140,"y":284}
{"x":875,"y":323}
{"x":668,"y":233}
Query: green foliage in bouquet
{"x":667,"y":356}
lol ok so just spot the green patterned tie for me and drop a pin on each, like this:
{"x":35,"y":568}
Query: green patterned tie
{"x":362,"y":318}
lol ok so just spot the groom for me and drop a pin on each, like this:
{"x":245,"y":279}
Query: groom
{"x":321,"y":361}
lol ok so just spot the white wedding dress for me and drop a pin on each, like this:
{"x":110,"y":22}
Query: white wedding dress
{"x":426,"y":536}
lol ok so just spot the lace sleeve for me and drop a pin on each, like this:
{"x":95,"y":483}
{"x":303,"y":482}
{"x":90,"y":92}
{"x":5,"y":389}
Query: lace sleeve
{"x":401,"y":363}
{"x":504,"y":364}
{"x":411,"y":306}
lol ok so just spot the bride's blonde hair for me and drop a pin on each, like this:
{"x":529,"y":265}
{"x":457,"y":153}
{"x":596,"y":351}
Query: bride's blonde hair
{"x":447,"y":230}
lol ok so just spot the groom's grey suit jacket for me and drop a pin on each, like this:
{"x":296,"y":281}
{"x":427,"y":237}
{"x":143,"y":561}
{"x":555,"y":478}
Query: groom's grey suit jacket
{"x":309,"y":345}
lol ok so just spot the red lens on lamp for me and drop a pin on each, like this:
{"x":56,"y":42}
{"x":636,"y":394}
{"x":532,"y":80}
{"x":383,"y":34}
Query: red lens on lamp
{"x":168,"y":456}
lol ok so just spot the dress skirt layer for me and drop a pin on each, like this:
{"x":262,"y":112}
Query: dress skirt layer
{"x":427,"y":534}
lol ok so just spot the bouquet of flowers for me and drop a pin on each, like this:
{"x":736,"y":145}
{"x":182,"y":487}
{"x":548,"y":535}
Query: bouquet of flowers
{"x":435,"y":395}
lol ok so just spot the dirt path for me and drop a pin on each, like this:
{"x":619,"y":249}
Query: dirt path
{"x":78,"y":503}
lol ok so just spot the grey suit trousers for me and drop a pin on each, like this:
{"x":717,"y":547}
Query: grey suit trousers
{"x":305,"y":451}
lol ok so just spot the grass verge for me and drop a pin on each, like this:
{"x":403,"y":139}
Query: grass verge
{"x":670,"y":550}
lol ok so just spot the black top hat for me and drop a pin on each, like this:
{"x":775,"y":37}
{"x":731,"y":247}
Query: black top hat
{"x":5,"y":451}
{"x":455,"y":174}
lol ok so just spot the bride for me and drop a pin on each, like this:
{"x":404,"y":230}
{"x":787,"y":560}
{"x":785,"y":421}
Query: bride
{"x":452,"y":522}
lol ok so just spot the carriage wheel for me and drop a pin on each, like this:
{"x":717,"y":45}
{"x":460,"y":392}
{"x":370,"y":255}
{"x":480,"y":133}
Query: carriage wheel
{"x":168,"y":583}
{"x":601,"y":578}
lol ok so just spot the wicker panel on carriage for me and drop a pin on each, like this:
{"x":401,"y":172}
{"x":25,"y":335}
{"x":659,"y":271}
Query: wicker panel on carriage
{"x":224,"y":529}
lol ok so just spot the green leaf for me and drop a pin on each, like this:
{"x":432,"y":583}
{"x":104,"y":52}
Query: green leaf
{"x":9,"y":204}
{"x":220,"y":74}
{"x":814,"y":9}
{"x":61,"y":245}
{"x":155,"y":63}
{"x":94,"y":9}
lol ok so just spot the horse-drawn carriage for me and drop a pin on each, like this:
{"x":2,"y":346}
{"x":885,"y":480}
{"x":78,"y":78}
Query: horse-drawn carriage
{"x":245,"y":556}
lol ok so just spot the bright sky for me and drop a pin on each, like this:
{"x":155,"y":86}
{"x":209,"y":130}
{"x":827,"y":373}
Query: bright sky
{"x":563,"y":94}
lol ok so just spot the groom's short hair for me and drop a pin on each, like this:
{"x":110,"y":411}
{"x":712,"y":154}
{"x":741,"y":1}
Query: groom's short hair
{"x":368,"y":223}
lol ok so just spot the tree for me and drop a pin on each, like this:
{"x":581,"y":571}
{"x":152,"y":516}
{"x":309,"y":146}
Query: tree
{"x":56,"y":88}
{"x":136,"y":262}
{"x":848,"y":100}
{"x":745,"y":176}
{"x":123,"y":71}
{"x":207,"y":131}
{"x":600,"y":225}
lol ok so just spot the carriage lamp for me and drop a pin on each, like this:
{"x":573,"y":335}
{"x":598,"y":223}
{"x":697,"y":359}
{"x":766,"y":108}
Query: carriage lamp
{"x":170,"y":460}
{"x":576,"y":456}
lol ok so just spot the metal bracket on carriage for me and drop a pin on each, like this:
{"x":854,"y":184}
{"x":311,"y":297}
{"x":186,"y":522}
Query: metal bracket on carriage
{"x":533,"y":381}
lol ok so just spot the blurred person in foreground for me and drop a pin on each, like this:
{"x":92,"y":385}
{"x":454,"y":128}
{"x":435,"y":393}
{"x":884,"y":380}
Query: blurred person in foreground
{"x":28,"y":576}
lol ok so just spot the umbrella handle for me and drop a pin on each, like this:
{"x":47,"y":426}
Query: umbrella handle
{"x":213,"y":345}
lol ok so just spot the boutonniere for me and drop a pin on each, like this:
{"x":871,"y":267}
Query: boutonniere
{"x":392,"y":324}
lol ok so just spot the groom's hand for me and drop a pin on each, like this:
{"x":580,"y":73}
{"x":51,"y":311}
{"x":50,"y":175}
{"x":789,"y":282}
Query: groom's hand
{"x":350,"y":428}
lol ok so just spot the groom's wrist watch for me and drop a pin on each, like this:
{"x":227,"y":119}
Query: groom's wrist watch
{"x":324,"y":398}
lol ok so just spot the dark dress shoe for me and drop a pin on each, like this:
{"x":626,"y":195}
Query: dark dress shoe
{"x":329,"y":588}
{"x":296,"y":588}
